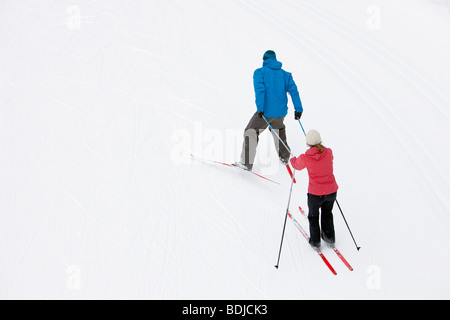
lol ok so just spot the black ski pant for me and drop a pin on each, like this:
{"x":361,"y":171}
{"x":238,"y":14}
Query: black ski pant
{"x":321,"y":206}
{"x":251,"y":137}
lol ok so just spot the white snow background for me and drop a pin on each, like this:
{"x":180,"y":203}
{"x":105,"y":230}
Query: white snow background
{"x":102,"y":102}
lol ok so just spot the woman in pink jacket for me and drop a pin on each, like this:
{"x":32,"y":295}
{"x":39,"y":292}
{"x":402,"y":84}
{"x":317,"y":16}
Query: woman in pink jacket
{"x":322,"y":189}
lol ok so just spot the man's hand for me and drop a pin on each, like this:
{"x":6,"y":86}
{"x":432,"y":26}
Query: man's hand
{"x":260,"y":114}
{"x":298,"y":115}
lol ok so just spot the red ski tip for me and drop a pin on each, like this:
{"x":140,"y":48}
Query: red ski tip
{"x":302,"y":212}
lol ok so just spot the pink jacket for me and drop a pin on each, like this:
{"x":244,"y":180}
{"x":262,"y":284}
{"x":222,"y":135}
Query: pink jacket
{"x":320,"y":170}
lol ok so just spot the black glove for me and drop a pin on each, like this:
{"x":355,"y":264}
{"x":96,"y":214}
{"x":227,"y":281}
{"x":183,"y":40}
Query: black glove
{"x":298,"y":115}
{"x":260,"y":114}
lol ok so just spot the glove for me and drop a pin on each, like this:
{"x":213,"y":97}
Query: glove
{"x":260,"y":114}
{"x":298,"y":115}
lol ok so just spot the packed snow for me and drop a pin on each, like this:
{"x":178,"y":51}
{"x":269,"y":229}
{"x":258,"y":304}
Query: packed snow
{"x":102,"y":103}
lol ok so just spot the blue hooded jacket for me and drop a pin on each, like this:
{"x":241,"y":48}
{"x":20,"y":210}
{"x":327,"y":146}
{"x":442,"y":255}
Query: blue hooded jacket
{"x":271,"y":87}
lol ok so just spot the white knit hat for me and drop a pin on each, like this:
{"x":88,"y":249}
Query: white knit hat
{"x":313,"y":138}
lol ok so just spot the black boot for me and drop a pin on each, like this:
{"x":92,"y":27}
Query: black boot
{"x":329,"y":241}
{"x":284,"y":161}
{"x":314,"y":245}
{"x":244,"y":166}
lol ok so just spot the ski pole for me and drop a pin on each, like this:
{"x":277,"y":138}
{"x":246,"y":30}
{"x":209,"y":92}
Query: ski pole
{"x":285,"y":220}
{"x":272,"y":130}
{"x":301,"y":126}
{"x":357,"y":248}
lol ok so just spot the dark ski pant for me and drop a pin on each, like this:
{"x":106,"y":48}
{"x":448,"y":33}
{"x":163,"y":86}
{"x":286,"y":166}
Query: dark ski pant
{"x":251,"y":137}
{"x":321,"y":206}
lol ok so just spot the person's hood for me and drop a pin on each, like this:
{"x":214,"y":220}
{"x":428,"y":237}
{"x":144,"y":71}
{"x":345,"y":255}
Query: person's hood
{"x":272,"y":63}
{"x":315,"y":154}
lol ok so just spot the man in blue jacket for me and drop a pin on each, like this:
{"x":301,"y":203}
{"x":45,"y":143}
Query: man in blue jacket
{"x":271,"y":87}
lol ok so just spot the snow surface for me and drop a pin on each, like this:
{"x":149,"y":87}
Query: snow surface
{"x":103,"y":101}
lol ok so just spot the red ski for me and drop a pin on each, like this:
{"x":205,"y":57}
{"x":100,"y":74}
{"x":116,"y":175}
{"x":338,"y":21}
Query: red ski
{"x":326,"y":262}
{"x":334,"y":248}
{"x":303,"y":232}
{"x":302,"y":212}
{"x":343,"y":259}
{"x":232,"y":166}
